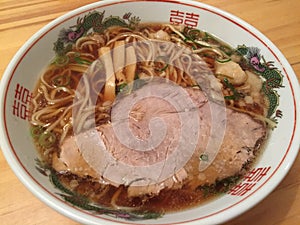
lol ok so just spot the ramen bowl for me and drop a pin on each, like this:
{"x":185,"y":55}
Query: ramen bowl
{"x":21,"y":76}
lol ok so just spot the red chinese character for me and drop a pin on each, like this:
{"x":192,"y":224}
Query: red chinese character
{"x":26,"y":96}
{"x":22,"y":98}
{"x":241,"y":189}
{"x":256,"y":174}
{"x":16,"y":107}
{"x":176,"y":17}
{"x":191,"y":19}
{"x":23,"y":94}
{"x":20,"y":110}
{"x":18,"y":91}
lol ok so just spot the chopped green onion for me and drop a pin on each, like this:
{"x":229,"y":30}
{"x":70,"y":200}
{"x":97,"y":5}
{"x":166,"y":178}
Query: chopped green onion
{"x":47,"y":139}
{"x":164,"y":68}
{"x":61,"y":81}
{"x":207,"y":36}
{"x":204,"y":157}
{"x":235,"y":95}
{"x":122,"y":88}
{"x":61,"y":60}
{"x":229,"y":97}
{"x":77,"y":54}
{"x":161,"y":59}
{"x":223,"y":60}
{"x":82,"y":61}
{"x":36,"y":131}
{"x":194,"y":33}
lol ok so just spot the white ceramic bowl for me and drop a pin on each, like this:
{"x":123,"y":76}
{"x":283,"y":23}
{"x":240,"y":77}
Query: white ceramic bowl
{"x":22,"y":73}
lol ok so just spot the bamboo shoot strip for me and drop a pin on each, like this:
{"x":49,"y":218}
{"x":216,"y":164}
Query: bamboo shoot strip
{"x":119,"y":61}
{"x":130,"y":64}
{"x":110,"y":85}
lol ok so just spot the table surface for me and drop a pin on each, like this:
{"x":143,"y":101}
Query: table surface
{"x":279,"y":20}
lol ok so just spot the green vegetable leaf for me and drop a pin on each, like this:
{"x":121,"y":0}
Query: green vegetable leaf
{"x":83,"y":202}
{"x":235,"y":95}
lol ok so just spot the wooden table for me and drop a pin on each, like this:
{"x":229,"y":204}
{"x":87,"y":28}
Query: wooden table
{"x":279,"y":20}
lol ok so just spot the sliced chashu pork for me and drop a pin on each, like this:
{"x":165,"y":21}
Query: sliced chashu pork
{"x":241,"y":138}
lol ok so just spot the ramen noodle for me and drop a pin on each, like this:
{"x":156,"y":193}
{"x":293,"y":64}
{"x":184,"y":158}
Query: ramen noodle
{"x":79,"y":90}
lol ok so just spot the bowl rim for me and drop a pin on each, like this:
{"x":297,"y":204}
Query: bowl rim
{"x":79,"y":215}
